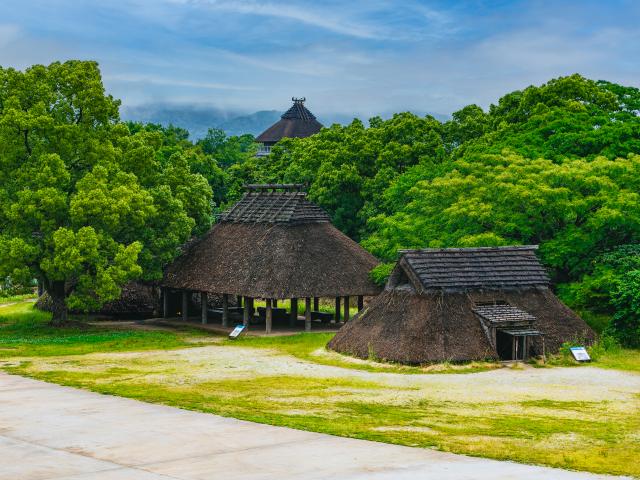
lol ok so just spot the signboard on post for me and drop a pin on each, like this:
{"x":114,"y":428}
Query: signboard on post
{"x":237,"y":331}
{"x":580,"y":354}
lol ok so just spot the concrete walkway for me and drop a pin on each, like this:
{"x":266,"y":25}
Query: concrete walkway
{"x":53,"y":432}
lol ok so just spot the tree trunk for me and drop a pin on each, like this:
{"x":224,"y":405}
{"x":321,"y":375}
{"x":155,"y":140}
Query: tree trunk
{"x":58,"y":305}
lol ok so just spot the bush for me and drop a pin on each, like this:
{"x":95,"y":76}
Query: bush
{"x":625,"y":325}
{"x":380,"y":274}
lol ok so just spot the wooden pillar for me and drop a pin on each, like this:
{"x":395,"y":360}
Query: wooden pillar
{"x":165,"y":303}
{"x":316,"y":304}
{"x":185,"y":305}
{"x":360,"y":302}
{"x":336,"y":315}
{"x":225,"y":309}
{"x":307,"y":314}
{"x":245,"y":312}
{"x":293,"y":315}
{"x":268,"y":316}
{"x":346,"y":309}
{"x":274,"y":302}
{"x":204,"y":308}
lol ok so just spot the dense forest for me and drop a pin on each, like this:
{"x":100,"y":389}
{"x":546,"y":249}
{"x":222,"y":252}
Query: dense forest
{"x":89,"y":202}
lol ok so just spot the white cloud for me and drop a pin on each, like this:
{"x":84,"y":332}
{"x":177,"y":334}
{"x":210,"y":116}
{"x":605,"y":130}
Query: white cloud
{"x":168,"y":81}
{"x":321,"y":18}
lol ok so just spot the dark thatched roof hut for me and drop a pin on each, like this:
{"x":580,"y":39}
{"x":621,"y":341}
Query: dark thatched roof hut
{"x":297,"y":122}
{"x":461,"y":304}
{"x":274,"y":244}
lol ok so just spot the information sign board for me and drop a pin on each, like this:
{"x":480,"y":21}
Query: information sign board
{"x":580,"y":354}
{"x":237,"y":331}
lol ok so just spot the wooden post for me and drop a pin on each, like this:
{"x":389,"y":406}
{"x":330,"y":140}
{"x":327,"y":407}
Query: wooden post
{"x":336,"y":315}
{"x":204,"y":308}
{"x":360,"y":302}
{"x":293,"y":315}
{"x":275,"y":303}
{"x":316,"y":304}
{"x":225,"y":309}
{"x":268,"y":316}
{"x":165,"y":303}
{"x":307,"y":314}
{"x":346,"y":309}
{"x":245,"y":312}
{"x":185,"y":305}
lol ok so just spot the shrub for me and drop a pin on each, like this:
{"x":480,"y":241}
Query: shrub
{"x":625,"y":325}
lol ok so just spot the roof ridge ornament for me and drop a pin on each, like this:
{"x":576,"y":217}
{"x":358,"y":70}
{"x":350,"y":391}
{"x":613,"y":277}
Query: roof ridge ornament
{"x":298,"y":100}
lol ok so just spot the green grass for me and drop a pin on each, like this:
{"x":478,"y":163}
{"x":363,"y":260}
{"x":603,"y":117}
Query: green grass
{"x":17,"y":298}
{"x":606,"y":353}
{"x":541,"y":426}
{"x":596,"y":436}
{"x":25,"y":332}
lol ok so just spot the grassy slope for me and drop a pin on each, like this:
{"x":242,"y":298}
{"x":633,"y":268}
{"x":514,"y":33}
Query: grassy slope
{"x":598,"y":436}
{"x":24,"y":332}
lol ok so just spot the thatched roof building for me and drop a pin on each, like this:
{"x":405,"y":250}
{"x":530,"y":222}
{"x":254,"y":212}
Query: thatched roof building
{"x":297,"y":122}
{"x":461,"y":304}
{"x":274,"y":244}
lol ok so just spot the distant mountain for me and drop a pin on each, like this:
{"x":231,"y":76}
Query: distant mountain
{"x":198,"y":119}
{"x":255,"y":123}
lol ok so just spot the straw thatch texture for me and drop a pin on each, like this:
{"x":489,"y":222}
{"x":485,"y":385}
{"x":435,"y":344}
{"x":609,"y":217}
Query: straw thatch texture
{"x":403,"y":326}
{"x":297,"y":122}
{"x":432,"y":307}
{"x":272,"y":260}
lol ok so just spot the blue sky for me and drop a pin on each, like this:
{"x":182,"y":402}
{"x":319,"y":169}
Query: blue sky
{"x":359,"y":57}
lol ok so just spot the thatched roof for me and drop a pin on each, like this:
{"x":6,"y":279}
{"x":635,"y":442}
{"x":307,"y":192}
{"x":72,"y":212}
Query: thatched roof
{"x":440,"y":304}
{"x":265,"y":204}
{"x":470,"y":268}
{"x":297,"y":122}
{"x":274,"y":245}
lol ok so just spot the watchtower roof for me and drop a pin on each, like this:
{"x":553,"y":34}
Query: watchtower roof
{"x":297,"y":122}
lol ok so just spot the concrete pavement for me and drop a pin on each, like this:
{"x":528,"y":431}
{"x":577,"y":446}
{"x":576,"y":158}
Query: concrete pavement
{"x":51,"y":432}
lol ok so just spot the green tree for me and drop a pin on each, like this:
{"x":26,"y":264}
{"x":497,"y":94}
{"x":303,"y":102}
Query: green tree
{"x":349,"y":167}
{"x":85,"y":205}
{"x":625,"y":325}
{"x":574,"y":210}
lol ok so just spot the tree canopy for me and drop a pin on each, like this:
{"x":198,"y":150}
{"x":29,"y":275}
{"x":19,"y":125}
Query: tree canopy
{"x":555,"y":165}
{"x":87,"y":204}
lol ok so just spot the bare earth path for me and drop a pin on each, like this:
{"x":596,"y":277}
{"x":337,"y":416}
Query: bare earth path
{"x":52,"y":432}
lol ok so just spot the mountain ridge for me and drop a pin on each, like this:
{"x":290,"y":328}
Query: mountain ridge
{"x":198,"y":119}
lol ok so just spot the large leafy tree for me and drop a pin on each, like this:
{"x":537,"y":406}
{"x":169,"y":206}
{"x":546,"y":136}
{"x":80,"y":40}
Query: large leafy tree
{"x":349,"y":167}
{"x":85,"y":205}
{"x":574,"y":210}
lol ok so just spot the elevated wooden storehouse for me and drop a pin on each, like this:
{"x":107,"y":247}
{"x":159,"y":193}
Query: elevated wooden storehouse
{"x":461,"y":304}
{"x":297,"y":122}
{"x":274,"y":244}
